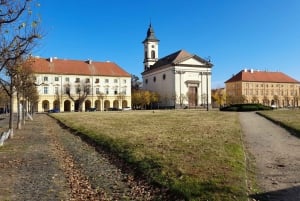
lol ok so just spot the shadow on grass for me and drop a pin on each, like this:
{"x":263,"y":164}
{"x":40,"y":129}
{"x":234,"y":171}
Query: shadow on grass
{"x":289,"y":194}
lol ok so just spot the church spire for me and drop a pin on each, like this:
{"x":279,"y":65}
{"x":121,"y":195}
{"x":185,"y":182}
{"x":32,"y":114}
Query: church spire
{"x":150,"y":48}
{"x":150,"y":35}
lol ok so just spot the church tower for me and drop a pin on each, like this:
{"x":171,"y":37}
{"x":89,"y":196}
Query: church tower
{"x":150,"y":48}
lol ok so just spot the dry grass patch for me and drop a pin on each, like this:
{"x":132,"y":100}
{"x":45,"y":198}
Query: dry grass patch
{"x":198,"y":154}
{"x":290,"y":119}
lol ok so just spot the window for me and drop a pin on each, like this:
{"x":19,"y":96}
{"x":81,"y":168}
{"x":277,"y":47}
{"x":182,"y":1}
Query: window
{"x":87,"y":90}
{"x":116,"y":91}
{"x":106,"y":81}
{"x":34,"y":78}
{"x":152,"y":54}
{"x":45,"y":90}
{"x":124,"y":81}
{"x":56,"y":79}
{"x":164,"y":76}
{"x":45,"y":79}
{"x":67,"y":79}
{"x":67,"y":89}
{"x":124,"y":90}
{"x":107,"y":90}
{"x":154,"y":79}
{"x":115,"y":80}
{"x":87,"y":80}
{"x":146,"y":81}
{"x":77,"y":79}
{"x":97,"y":91}
{"x":56,"y":90}
{"x":78,"y":90}
{"x":97,"y":80}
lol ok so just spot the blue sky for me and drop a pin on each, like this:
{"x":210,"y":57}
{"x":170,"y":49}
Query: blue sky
{"x":234,"y":34}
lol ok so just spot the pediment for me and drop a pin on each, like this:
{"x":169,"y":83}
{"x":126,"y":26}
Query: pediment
{"x":192,"y":61}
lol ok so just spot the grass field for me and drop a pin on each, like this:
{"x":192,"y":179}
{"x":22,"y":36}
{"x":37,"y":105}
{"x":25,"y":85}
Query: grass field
{"x":197,"y":154}
{"x":290,"y":119}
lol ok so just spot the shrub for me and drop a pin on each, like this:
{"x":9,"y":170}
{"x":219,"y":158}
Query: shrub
{"x":245,"y":107}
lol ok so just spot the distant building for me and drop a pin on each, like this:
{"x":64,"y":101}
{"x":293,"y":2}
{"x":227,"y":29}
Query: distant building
{"x":106,"y":84}
{"x":268,"y":88}
{"x":181,"y":79}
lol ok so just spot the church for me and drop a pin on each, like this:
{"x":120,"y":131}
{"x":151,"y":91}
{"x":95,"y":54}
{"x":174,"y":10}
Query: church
{"x":182,"y":79}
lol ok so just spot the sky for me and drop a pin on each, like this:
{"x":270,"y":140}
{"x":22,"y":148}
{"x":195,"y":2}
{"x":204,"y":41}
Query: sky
{"x":233,"y":34}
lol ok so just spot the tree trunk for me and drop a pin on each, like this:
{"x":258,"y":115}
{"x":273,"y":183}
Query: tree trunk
{"x":19,"y":112}
{"x":10,"y":126}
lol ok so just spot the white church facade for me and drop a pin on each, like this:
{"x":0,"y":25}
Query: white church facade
{"x":181,"y":79}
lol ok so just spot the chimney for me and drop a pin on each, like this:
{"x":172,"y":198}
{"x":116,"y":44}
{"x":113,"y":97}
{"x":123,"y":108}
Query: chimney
{"x":89,"y":61}
{"x":252,"y":70}
{"x":50,"y":59}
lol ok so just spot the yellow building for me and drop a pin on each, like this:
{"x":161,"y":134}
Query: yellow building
{"x":72,"y":85}
{"x":269,"y":88}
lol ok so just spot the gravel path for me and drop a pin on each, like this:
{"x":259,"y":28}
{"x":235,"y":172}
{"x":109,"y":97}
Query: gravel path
{"x":277,"y":158}
{"x":46,"y":162}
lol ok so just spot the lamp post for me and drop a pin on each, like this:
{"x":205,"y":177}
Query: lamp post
{"x":207,"y":90}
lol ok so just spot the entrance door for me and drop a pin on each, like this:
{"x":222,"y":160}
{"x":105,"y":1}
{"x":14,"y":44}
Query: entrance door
{"x":193,"y":96}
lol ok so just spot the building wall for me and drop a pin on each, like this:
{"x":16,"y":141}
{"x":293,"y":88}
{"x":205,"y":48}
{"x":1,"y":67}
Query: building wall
{"x":162,"y":82}
{"x":104,"y":92}
{"x":173,"y":84}
{"x":268,"y":93}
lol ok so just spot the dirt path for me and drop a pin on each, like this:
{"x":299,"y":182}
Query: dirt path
{"x":46,"y":162}
{"x":277,"y":158}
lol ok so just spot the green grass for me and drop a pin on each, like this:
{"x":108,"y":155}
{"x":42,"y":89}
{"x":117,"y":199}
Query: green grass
{"x":289,"y":119}
{"x":197,"y":154}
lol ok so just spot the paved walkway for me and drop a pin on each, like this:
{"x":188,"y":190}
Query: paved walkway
{"x":44,"y":161}
{"x":277,"y":157}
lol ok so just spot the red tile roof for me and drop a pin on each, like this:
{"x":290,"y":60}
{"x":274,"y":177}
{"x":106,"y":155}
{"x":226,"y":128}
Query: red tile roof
{"x":76,"y":67}
{"x":262,"y":76}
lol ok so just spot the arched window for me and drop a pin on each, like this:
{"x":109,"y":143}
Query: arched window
{"x":152,"y":54}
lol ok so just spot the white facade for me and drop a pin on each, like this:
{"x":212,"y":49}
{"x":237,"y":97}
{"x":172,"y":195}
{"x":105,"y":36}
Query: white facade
{"x":174,"y":84}
{"x":181,"y":79}
{"x":74,"y":85}
{"x":50,"y":86}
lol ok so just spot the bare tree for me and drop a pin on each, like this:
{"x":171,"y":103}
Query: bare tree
{"x":4,"y":100}
{"x":82,"y":90}
{"x":18,"y":35}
